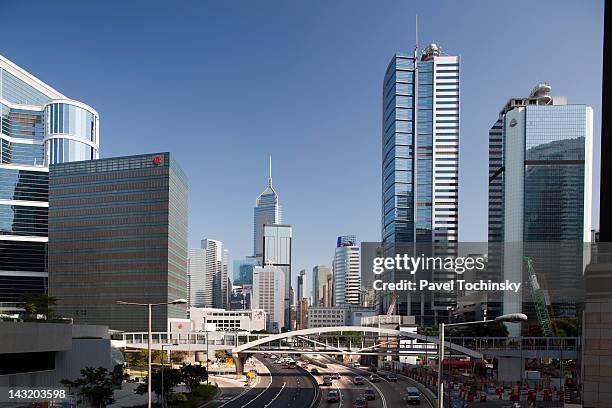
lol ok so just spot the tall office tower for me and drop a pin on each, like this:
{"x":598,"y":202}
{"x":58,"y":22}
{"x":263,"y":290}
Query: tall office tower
{"x":269,"y":294}
{"x":320,"y":276}
{"x":118,"y":232}
{"x":328,"y":293}
{"x":300,"y":293}
{"x":39,"y":126}
{"x":226,"y":286}
{"x":199,"y":280}
{"x":540,"y":177}
{"x":267,"y":211}
{"x":347,"y":280}
{"x":420,"y":164}
{"x":216,"y":273}
{"x":276,"y":251}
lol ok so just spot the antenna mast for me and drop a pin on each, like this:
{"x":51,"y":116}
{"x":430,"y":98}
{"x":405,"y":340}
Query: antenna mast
{"x":416,"y":36}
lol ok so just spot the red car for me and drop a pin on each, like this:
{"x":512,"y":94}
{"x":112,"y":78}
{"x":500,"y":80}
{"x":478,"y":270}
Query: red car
{"x":333,"y":396}
{"x":335,"y":376}
{"x":360,"y":403}
{"x":369,"y":394}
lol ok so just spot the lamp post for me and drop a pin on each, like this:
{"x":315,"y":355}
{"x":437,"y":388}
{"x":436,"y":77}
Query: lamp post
{"x":149,"y":307}
{"x":162,"y":370}
{"x":508,"y":318}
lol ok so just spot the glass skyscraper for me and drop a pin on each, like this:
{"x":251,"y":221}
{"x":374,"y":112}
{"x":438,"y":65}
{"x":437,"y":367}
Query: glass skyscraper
{"x":420,"y":154}
{"x":39,"y":126}
{"x":267,"y":211}
{"x":540,"y":188}
{"x":420,"y":164}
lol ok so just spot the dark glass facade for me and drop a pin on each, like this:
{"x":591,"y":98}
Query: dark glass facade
{"x":118,"y":232}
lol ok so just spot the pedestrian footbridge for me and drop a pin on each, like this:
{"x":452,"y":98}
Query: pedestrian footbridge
{"x":352,"y":340}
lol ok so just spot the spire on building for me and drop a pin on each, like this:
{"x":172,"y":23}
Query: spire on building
{"x":270,"y":176}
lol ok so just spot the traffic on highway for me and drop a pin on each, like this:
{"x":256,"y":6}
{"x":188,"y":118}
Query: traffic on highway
{"x":317,"y":381}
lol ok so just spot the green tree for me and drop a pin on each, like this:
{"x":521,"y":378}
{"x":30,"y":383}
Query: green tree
{"x":140,"y":360}
{"x":36,"y":303}
{"x":428,"y":330}
{"x":172,"y":378}
{"x":193,"y":375}
{"x":178,"y":356}
{"x":118,"y":375}
{"x":567,"y":327}
{"x":94,"y":387}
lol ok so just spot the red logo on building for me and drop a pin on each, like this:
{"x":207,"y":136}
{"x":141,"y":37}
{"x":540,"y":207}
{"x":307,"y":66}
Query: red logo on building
{"x":180,"y":326}
{"x":157,"y":160}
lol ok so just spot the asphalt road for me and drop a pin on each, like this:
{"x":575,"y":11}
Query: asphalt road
{"x":388,"y":394}
{"x":281,"y":387}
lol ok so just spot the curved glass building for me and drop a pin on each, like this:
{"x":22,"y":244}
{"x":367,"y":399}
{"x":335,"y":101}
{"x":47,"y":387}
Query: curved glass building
{"x":39,"y":126}
{"x":71,"y":132}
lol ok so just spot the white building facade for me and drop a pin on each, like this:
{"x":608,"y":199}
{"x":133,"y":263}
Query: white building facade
{"x":346,"y":274}
{"x":269,"y":294}
{"x":228,"y":320}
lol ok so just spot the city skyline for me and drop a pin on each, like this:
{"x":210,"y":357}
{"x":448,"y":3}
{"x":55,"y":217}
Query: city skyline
{"x":299,"y":176}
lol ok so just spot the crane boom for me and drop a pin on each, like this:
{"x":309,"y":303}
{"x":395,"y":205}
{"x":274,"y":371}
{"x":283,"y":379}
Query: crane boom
{"x":539,"y":300}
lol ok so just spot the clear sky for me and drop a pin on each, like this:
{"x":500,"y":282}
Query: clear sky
{"x":223,"y":84}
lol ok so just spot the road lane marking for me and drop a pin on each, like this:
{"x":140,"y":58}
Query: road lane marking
{"x":249,"y":389}
{"x":273,"y":399}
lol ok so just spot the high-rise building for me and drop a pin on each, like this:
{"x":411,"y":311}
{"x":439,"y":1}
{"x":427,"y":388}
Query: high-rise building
{"x":216,"y":273}
{"x":540,"y":170}
{"x":276,"y":250}
{"x":420,"y":165}
{"x":39,"y":126}
{"x":118,"y":232}
{"x":199,"y":279}
{"x":208,"y":275}
{"x":346,"y":276}
{"x":540,"y":178}
{"x":321,"y":275}
{"x":269,"y":294}
{"x":299,"y":297}
{"x":420,"y":155}
{"x":267,"y":211}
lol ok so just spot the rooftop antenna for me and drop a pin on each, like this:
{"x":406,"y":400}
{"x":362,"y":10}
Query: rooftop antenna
{"x":416,"y":36}
{"x":270,"y":176}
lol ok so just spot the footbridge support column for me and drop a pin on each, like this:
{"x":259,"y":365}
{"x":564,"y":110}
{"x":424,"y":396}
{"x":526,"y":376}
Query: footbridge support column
{"x":239,"y":360}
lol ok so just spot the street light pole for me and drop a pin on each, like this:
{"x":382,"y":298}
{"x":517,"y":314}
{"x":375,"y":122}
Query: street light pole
{"x":162,"y":369}
{"x":149,"y":310}
{"x":440,"y":358}
{"x":508,"y":318}
{"x":149,"y":306}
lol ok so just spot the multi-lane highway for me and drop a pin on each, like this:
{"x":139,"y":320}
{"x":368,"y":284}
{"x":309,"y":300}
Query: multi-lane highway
{"x":294,"y":388}
{"x":387,"y":394}
{"x":276,"y":387}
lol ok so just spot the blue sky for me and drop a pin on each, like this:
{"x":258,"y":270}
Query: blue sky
{"x":224,"y":84}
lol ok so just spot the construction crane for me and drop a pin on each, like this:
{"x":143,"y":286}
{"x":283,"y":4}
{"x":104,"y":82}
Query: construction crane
{"x":540,"y":303}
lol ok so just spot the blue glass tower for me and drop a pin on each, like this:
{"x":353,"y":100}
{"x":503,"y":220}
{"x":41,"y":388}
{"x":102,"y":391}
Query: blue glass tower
{"x":420,"y":164}
{"x":420,"y":148}
{"x":267,"y":211}
{"x":39,"y":126}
